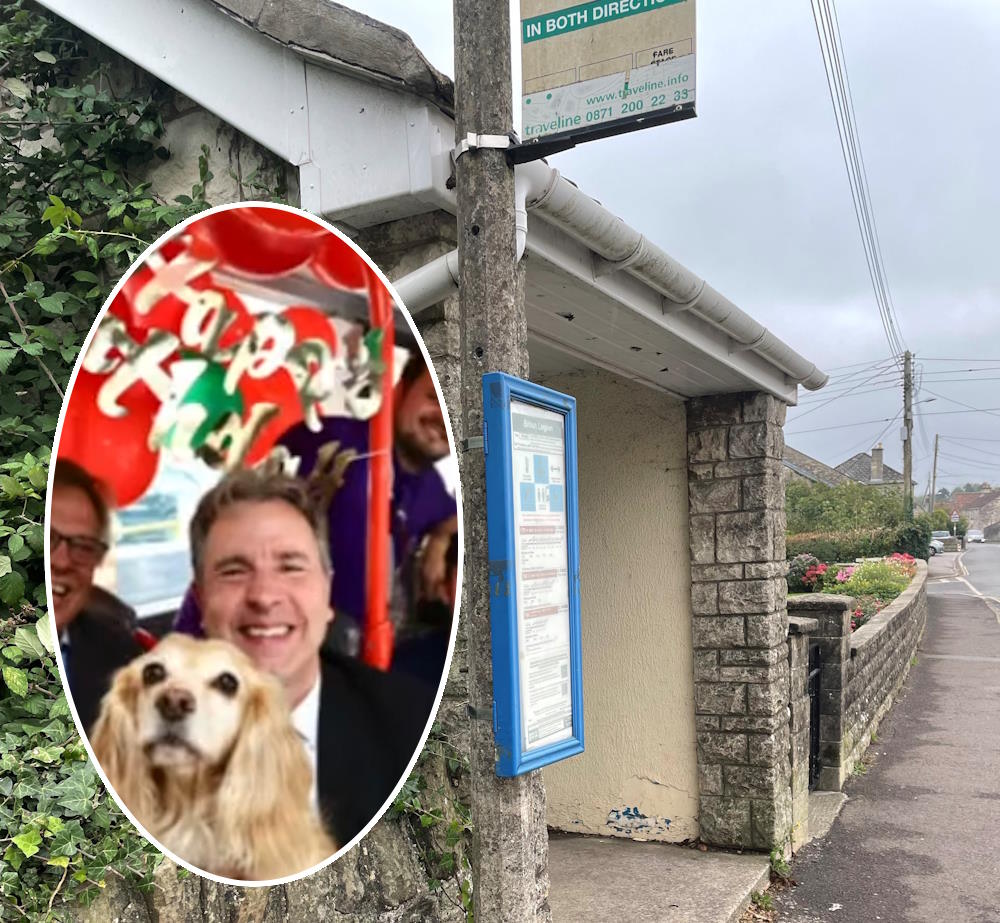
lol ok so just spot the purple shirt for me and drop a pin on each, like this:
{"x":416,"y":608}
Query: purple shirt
{"x":420,"y":502}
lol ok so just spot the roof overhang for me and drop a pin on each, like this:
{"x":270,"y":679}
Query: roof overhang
{"x":373,"y":143}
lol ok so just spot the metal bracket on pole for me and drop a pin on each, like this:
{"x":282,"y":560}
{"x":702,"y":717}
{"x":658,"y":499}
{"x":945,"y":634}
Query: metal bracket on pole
{"x":473,"y":442}
{"x":473,"y":141}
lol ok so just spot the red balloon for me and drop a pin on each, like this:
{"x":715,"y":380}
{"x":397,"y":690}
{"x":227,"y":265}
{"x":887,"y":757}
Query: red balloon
{"x":338,"y":265}
{"x":260,"y":241}
{"x":114,"y":450}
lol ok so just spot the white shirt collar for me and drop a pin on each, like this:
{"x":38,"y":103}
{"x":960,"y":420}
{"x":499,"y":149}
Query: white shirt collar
{"x":305,"y":720}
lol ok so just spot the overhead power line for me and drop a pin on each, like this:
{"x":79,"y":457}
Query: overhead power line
{"x":838,"y":396}
{"x":871,"y":364}
{"x":838,"y":82}
{"x":933,"y":413}
{"x":952,"y":400}
{"x":870,"y":442}
{"x":939,"y":359}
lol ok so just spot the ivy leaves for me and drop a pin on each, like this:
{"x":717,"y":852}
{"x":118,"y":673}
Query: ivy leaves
{"x":72,"y":218}
{"x":61,"y":829}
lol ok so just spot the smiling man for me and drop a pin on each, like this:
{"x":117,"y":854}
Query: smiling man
{"x":94,"y":627}
{"x":423,"y":521}
{"x":262,"y":579}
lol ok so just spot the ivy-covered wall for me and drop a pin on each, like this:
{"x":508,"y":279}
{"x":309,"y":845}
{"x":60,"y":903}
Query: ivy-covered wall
{"x":98,"y":160}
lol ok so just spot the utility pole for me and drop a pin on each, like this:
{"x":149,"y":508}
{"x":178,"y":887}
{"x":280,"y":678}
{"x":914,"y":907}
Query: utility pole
{"x":908,"y":437}
{"x":510,"y":848}
{"x":934,"y":474}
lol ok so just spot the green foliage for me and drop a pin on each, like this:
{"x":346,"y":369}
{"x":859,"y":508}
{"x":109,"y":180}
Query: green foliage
{"x":61,"y":834}
{"x":940,"y":521}
{"x":875,"y":578}
{"x":845,"y":508}
{"x":72,"y":219}
{"x":779,"y":865}
{"x":970,"y":488}
{"x":843,"y":546}
{"x":797,"y":569}
{"x":914,"y":538}
{"x":440,"y":823}
{"x":762,"y":900}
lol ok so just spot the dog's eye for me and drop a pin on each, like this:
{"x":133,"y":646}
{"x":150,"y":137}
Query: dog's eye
{"x":226,"y":683}
{"x":153,"y":673}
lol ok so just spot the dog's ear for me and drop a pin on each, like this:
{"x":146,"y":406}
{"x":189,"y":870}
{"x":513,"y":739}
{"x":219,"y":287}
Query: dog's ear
{"x":115,"y":742}
{"x":268,"y":769}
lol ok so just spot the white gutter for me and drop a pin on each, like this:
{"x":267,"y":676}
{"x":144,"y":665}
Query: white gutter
{"x":616,"y":247}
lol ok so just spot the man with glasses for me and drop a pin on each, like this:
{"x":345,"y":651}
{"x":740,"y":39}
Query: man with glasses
{"x":95,"y":628}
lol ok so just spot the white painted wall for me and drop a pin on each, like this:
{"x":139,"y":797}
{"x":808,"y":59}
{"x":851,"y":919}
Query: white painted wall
{"x":636,"y":619}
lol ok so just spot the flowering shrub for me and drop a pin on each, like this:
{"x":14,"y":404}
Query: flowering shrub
{"x":873,"y":584}
{"x":797,"y":569}
{"x":865,"y":607}
{"x":812,"y":579}
{"x":906,"y":564}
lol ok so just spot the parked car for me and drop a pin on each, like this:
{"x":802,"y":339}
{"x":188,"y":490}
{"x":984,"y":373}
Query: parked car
{"x":940,"y":534}
{"x":936,"y":546}
{"x":975,"y":535}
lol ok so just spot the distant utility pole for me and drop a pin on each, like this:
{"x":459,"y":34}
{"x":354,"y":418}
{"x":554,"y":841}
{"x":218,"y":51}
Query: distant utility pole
{"x":934,"y":475}
{"x":908,"y":436}
{"x":509,"y":866}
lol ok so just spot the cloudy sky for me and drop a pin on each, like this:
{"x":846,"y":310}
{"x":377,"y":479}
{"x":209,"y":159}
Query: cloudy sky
{"x":754,"y":196}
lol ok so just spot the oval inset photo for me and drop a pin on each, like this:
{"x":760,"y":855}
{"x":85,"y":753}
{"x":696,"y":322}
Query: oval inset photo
{"x":253,"y":544}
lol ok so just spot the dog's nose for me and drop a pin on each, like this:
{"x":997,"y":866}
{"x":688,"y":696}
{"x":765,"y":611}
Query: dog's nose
{"x":175,"y":704}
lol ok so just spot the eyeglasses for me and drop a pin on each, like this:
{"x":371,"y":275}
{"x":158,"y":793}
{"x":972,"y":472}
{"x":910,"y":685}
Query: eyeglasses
{"x":83,"y":549}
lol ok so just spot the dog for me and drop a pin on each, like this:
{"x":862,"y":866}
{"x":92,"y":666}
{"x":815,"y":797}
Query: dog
{"x":199,"y":745}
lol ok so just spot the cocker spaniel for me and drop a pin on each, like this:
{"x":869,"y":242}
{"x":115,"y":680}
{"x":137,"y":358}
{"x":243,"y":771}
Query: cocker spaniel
{"x":199,"y":745}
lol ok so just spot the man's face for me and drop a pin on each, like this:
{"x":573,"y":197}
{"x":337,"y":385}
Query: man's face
{"x":263,"y":587}
{"x":72,"y":516}
{"x":420,"y":433}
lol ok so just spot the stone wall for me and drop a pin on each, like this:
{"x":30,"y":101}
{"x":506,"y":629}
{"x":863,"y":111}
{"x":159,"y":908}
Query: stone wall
{"x":799,"y":724}
{"x":862,"y":671}
{"x":740,"y":625}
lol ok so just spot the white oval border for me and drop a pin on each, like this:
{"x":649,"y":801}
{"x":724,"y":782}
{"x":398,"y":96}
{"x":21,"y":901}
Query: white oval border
{"x":173,"y":232}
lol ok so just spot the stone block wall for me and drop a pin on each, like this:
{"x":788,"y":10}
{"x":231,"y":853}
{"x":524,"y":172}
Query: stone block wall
{"x":799,"y":727}
{"x":737,"y":536}
{"x":862,"y":671}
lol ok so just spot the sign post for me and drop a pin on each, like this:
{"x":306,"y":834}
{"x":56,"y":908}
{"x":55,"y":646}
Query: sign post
{"x":534,"y":552}
{"x":600,"y":68}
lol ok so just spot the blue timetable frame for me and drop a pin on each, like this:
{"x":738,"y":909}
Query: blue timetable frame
{"x":500,"y":391}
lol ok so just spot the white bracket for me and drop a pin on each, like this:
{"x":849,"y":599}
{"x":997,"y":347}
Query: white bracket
{"x":735,"y":347}
{"x":473,"y":141}
{"x":669,"y":306}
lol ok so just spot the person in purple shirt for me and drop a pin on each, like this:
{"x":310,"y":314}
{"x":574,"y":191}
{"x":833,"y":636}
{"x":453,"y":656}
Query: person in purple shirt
{"x":423,"y":514}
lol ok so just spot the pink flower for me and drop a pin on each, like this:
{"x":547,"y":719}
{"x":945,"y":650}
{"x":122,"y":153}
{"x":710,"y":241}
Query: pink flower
{"x":844,"y":575}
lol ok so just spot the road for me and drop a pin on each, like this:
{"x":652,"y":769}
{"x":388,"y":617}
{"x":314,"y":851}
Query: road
{"x":982,"y":563}
{"x":917,"y":840}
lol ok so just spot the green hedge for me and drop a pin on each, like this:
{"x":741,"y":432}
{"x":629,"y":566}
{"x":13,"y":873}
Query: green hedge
{"x":859,"y":543}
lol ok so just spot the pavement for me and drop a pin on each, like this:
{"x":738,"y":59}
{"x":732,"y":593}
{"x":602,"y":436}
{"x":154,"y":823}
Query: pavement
{"x":917,"y":840}
{"x":611,"y":879}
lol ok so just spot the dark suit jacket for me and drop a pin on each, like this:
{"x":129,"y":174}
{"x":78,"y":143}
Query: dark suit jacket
{"x":369,"y":726}
{"x":100,"y":643}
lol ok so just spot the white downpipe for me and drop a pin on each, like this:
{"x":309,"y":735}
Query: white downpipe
{"x":430,"y":283}
{"x":539,"y":186}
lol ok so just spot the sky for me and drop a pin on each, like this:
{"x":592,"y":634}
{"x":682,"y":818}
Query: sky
{"x":753,"y":195}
